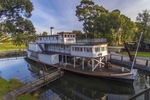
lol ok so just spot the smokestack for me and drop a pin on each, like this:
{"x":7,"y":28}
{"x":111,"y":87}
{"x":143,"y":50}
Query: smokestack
{"x":51,"y":30}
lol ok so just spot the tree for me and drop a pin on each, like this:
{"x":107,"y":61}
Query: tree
{"x":87,"y":12}
{"x":116,"y":27}
{"x":14,"y":16}
{"x":99,"y":22}
{"x":44,"y":33}
{"x":79,"y":34}
{"x":143,"y":24}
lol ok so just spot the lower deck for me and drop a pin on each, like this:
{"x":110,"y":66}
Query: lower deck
{"x":96,"y":67}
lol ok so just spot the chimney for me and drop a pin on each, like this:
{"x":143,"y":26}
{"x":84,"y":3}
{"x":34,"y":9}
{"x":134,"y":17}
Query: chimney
{"x":51,"y":30}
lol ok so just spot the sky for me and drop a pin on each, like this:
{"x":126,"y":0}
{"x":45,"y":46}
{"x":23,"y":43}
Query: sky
{"x":60,"y":14}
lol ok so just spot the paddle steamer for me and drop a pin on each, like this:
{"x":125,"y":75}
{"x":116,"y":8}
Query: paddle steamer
{"x":86,"y":57}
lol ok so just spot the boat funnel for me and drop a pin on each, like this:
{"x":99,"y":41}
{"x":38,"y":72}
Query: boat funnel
{"x":51,"y":30}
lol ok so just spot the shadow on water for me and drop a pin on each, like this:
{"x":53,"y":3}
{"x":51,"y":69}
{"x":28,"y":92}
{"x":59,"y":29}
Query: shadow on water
{"x":76,"y":87}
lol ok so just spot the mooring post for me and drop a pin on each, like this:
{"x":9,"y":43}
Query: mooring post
{"x":121,"y":58}
{"x":110,"y":56}
{"x":147,"y":63}
{"x":16,"y":54}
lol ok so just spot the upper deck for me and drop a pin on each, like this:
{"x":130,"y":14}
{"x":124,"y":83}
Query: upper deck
{"x":66,"y":43}
{"x":62,"y":37}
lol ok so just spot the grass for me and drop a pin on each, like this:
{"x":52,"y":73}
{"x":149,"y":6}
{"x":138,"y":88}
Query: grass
{"x":10,"y":46}
{"x":6,"y":87}
{"x":139,"y":54}
{"x":26,"y":97}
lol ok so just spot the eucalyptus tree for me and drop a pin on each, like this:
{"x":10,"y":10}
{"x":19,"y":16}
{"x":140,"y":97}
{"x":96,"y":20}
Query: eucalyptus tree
{"x":44,"y":33}
{"x":87,"y":12}
{"x":143,"y":24}
{"x":115,"y":26}
{"x":14,"y":15}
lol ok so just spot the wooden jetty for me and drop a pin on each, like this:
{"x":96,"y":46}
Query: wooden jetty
{"x":47,"y":78}
{"x":141,"y":63}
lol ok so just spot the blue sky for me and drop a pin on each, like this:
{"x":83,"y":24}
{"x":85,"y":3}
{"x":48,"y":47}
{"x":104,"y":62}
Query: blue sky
{"x":61,"y":13}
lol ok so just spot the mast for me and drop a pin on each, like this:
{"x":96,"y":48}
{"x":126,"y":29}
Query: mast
{"x":136,"y":51}
{"x":131,"y":57}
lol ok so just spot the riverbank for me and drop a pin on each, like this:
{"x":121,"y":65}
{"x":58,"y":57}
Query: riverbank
{"x":9,"y":46}
{"x":139,"y":54}
{"x":7,"y":86}
{"x":12,"y":53}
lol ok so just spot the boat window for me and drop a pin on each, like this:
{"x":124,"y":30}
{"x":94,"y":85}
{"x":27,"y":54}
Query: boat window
{"x":72,"y":48}
{"x":81,"y":49}
{"x":97,"y":49}
{"x":90,"y":49}
{"x":75,"y":48}
{"x":87,"y":49}
{"x":84,"y":49}
{"x":102,"y":49}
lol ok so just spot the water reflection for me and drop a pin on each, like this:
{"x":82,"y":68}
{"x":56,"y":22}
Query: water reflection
{"x":142,"y":82}
{"x":15,"y":69}
{"x":76,"y":87}
{"x":73,"y":86}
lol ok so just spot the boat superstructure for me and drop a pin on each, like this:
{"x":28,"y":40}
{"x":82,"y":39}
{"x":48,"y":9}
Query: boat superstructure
{"x":86,"y":56}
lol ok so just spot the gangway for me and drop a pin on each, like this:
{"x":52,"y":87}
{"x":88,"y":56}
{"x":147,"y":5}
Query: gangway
{"x":45,"y":79}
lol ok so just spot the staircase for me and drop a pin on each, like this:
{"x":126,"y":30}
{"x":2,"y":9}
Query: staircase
{"x":40,"y":46}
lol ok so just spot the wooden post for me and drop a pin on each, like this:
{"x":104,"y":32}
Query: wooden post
{"x":92,"y":65}
{"x":74,"y":59}
{"x":110,"y":56}
{"x":100,"y":63}
{"x":121,"y":58}
{"x":83,"y":63}
{"x":147,"y":96}
{"x":147,"y":63}
{"x":66,"y":59}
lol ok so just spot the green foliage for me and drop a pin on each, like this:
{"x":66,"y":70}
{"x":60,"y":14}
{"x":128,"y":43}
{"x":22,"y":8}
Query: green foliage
{"x":44,"y":33}
{"x":99,"y":22}
{"x":14,"y":16}
{"x":143,"y":24}
{"x":79,"y":34}
{"x":87,"y":12}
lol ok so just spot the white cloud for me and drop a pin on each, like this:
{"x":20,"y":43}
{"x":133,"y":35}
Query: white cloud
{"x":61,"y":13}
{"x":62,"y":20}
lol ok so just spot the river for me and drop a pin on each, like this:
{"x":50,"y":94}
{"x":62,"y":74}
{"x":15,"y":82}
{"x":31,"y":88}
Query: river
{"x":72,"y":86}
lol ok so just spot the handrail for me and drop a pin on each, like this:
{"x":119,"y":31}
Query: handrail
{"x":139,"y":94}
{"x":119,"y":55}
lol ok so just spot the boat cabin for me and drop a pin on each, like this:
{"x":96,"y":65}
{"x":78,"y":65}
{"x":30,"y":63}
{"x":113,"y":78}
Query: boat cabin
{"x":65,"y":42}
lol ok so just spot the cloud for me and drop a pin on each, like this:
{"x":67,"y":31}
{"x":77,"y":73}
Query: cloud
{"x":61,"y":13}
{"x":130,"y":8}
{"x":61,"y":16}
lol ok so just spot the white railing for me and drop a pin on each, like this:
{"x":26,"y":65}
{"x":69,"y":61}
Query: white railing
{"x":96,"y":40}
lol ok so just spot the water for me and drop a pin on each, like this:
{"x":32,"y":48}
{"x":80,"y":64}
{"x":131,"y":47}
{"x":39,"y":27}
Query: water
{"x":72,"y":86}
